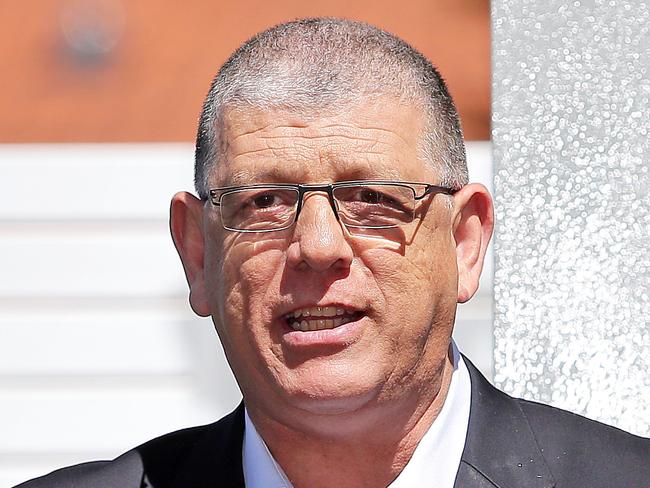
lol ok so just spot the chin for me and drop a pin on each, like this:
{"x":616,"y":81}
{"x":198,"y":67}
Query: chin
{"x":335,"y":416}
{"x":334,"y":397}
{"x":334,"y":405}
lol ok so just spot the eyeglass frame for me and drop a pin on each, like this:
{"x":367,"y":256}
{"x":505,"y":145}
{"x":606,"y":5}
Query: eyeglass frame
{"x":328,"y":188}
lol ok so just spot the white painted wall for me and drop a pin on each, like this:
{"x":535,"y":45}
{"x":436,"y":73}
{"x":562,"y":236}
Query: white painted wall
{"x":99,"y":350}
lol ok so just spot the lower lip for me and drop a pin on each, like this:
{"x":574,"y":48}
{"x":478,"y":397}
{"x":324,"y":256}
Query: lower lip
{"x":343,"y":335}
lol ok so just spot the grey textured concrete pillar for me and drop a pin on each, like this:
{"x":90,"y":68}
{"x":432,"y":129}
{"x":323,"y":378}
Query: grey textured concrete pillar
{"x":572,"y":245}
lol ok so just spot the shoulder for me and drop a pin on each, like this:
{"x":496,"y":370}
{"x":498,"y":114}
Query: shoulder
{"x":574,"y":446}
{"x":160,"y":458}
{"x":516,"y":442}
{"x":125,"y":471}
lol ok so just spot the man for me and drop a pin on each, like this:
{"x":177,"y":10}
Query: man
{"x":334,"y":234}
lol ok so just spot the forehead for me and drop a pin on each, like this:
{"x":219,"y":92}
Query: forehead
{"x":376,"y":139}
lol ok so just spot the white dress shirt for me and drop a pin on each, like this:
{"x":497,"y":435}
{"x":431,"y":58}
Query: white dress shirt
{"x":434,"y":462}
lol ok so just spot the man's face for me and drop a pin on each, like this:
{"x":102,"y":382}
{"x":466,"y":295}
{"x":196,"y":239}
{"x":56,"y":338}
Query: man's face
{"x":393,"y":293}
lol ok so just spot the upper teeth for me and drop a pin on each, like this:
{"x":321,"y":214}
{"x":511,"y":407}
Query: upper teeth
{"x":319,"y":312}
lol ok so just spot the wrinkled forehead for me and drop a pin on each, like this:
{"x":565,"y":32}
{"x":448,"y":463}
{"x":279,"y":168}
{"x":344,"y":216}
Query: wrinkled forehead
{"x":371,"y":139}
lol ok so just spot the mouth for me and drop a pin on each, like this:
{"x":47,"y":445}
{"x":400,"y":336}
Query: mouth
{"x":320,"y":318}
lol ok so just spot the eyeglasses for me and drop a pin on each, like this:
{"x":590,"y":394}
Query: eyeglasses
{"x":356,"y":204}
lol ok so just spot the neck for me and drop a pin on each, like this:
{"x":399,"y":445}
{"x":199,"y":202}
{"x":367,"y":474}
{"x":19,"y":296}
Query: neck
{"x":370,"y":456}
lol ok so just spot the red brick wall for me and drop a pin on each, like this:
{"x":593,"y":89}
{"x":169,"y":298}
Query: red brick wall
{"x":150,"y":86}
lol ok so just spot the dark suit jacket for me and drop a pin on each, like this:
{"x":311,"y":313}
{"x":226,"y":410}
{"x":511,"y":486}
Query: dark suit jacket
{"x":511,"y":443}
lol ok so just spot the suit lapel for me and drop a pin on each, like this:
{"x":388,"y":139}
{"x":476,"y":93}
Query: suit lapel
{"x":216,"y":460}
{"x":500,"y":449}
{"x":468,"y":477}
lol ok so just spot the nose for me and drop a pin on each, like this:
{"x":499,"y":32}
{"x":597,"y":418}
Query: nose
{"x":319,"y":242}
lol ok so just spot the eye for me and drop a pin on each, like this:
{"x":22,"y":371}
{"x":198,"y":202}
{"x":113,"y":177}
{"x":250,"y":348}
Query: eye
{"x":370,"y":196}
{"x":375,"y":197}
{"x":265,"y":200}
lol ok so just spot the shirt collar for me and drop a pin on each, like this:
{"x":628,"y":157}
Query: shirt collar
{"x":435,"y":460}
{"x":260,"y":469}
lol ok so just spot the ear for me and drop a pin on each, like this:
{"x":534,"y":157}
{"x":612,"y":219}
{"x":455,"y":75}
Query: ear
{"x":186,"y":225}
{"x":473,"y":221}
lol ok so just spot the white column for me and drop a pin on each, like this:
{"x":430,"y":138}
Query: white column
{"x":572,"y":245}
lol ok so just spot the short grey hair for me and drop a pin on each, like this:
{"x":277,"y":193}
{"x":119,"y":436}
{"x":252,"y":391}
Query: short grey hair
{"x":321,"y":63}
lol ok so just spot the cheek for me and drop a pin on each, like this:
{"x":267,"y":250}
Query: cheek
{"x":427,"y":269}
{"x":243,"y":291}
{"x":419,"y":287}
{"x":250,"y":276}
{"x":432,"y":260}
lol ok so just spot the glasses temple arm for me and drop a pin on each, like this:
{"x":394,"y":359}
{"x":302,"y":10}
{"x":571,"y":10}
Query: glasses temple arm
{"x":434,"y":189}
